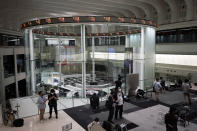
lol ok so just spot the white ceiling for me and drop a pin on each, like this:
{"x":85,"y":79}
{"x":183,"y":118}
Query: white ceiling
{"x":15,"y":12}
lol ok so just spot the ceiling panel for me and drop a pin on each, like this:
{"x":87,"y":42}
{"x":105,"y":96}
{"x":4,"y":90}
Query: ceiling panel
{"x":15,"y":12}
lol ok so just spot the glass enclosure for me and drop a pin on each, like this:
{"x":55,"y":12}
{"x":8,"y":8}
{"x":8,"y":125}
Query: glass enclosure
{"x":80,"y":59}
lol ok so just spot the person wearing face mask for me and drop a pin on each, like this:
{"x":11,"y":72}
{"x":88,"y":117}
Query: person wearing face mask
{"x":119,"y":99}
{"x":52,"y":97}
{"x":41,"y":105}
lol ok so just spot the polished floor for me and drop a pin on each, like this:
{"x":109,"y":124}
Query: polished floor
{"x":146,"y":114}
{"x":151,"y":119}
{"x":28,"y":105}
{"x":33,"y":124}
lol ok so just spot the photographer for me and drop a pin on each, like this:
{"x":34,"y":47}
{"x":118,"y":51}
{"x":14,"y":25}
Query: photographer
{"x":52,"y":97}
{"x":171,"y":120}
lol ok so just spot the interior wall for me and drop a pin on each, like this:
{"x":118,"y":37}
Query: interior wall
{"x":177,"y":48}
{"x":185,"y":49}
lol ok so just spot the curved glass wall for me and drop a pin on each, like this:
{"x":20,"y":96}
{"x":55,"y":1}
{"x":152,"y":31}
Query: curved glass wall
{"x":79,"y":59}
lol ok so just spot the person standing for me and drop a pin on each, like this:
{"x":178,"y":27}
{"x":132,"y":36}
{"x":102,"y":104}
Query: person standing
{"x":119,"y":99}
{"x":95,"y":101}
{"x":52,"y":97}
{"x":157,"y":88}
{"x":111,"y":106}
{"x":186,"y":91}
{"x":162,"y":82}
{"x":41,"y":105}
{"x":118,"y":83}
{"x":171,"y":120}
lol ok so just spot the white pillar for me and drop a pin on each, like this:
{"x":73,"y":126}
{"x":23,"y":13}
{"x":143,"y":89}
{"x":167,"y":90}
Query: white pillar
{"x":138,"y":59}
{"x":59,"y":50}
{"x":2,"y":86}
{"x":93,"y":60}
{"x":149,"y":60}
{"x":144,"y":58}
{"x":32,"y":62}
{"x":16,"y":72}
{"x":129,"y":52}
{"x":83,"y":59}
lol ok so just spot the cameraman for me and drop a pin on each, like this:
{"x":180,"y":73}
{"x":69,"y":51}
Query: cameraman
{"x":171,"y":120}
{"x":52,"y":97}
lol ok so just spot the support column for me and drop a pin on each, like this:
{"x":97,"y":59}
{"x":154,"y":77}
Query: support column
{"x":32,"y":62}
{"x":59,"y":48}
{"x":129,"y":51}
{"x":83,"y":59}
{"x":2,"y":87}
{"x":144,"y":58}
{"x":16,"y":72}
{"x":93,"y":60}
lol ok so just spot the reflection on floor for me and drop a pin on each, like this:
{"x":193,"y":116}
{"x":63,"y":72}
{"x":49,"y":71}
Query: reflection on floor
{"x":84,"y":114}
{"x":145,"y":113}
{"x":171,"y":97}
{"x":33,"y":124}
{"x":151,"y":119}
{"x":28,"y":106}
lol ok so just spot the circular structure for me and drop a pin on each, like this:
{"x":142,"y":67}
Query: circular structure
{"x":84,"y":55}
{"x":87,"y":19}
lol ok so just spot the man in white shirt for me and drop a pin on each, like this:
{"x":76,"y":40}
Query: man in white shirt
{"x":157,"y":88}
{"x":41,"y":105}
{"x":119,"y":99}
{"x":186,"y":91}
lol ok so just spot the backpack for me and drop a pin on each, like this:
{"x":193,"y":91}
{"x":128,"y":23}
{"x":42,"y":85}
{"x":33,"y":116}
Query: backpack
{"x":107,"y":126}
{"x":18,"y":122}
{"x":121,"y":127}
{"x":154,"y":87}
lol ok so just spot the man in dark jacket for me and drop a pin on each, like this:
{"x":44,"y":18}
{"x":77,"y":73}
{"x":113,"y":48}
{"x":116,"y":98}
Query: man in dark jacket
{"x":111,"y":106}
{"x":171,"y":120}
{"x":118,"y":83}
{"x":163,"y":84}
{"x":52,"y":97}
{"x":95,"y":101}
{"x":119,"y":99}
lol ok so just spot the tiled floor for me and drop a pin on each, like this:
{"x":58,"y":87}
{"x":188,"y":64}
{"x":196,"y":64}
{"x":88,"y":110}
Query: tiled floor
{"x":28,"y":106}
{"x":172,"y":97}
{"x":84,"y":114}
{"x":33,"y":124}
{"x":147,"y":117}
{"x":150,"y":119}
